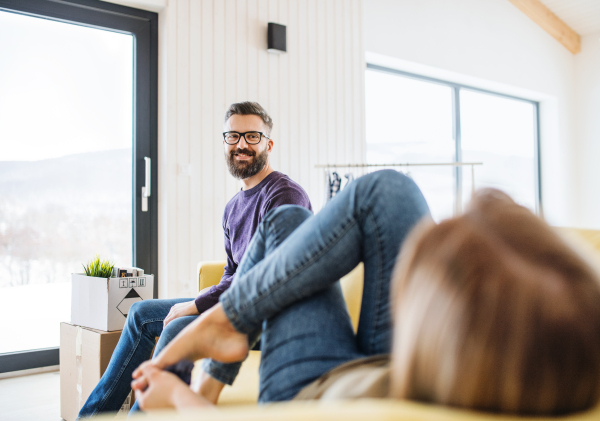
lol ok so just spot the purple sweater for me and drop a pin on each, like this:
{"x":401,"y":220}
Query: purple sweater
{"x":242,"y":215}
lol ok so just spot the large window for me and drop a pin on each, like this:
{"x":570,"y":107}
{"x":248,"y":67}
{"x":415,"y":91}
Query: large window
{"x":417,"y":120}
{"x":77,"y":118}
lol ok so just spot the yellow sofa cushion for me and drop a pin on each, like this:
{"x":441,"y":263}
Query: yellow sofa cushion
{"x":210,"y":273}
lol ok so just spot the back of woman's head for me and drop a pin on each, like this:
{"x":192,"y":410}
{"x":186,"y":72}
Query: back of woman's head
{"x":493,"y":311}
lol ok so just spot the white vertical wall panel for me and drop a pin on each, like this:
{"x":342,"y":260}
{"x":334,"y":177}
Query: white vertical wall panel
{"x":208,"y":180}
{"x":217,"y":54}
{"x":167,"y":196}
{"x":293,"y":138}
{"x":182,"y":222}
{"x":195,"y":148}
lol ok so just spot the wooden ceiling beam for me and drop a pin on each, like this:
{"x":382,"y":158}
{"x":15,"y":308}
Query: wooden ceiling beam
{"x":551,"y":23}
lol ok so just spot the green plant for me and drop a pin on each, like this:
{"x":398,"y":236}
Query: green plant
{"x":99,"y":269}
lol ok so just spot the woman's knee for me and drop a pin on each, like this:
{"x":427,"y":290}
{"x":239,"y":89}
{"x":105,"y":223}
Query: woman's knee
{"x":391,"y":185}
{"x":288,"y":213}
{"x":383,"y":179}
{"x":285,"y":219}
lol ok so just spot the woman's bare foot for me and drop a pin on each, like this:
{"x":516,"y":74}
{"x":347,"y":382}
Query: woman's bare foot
{"x":215,"y":337}
{"x":209,"y":336}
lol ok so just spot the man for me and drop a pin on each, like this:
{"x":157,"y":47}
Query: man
{"x":247,"y":145}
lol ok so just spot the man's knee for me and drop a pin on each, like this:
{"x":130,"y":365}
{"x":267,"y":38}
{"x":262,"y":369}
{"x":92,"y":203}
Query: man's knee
{"x":140,"y":311}
{"x":174,"y":327}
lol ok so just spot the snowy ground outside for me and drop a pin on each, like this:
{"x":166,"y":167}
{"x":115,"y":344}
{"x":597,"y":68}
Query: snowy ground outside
{"x":31,"y":315}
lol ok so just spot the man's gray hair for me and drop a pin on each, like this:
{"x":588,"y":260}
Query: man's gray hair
{"x":250,"y":108}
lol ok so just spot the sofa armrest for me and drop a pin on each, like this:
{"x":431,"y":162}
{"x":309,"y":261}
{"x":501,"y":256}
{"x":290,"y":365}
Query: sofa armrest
{"x":349,"y":410}
{"x":210,"y":273}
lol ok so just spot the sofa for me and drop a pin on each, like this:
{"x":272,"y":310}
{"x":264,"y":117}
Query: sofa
{"x":238,"y":402}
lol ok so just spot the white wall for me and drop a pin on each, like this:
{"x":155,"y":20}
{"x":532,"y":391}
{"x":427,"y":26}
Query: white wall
{"x":213,"y":53}
{"x":587,"y":122}
{"x":493,"y":45}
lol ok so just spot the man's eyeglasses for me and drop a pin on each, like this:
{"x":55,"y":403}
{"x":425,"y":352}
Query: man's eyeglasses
{"x":252,"y":138}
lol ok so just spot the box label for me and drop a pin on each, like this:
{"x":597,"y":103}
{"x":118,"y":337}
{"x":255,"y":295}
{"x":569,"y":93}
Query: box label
{"x":126,"y":303}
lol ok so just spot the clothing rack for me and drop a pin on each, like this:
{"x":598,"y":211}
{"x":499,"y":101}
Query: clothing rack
{"x":453,"y":164}
{"x":427,"y":164}
{"x":328,"y":167}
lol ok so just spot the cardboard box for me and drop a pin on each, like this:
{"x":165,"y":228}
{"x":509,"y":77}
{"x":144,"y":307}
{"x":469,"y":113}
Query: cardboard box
{"x":84,"y":356}
{"x":103,"y":303}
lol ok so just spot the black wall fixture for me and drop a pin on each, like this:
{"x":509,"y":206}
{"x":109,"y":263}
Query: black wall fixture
{"x":276,"y":38}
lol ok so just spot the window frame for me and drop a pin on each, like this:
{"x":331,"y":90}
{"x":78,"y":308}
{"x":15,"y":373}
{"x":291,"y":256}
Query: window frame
{"x":143,"y":26}
{"x":456,"y":124}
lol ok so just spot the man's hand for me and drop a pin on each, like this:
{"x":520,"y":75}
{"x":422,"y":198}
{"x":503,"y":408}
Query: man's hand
{"x":157,"y":389}
{"x":181,"y":310}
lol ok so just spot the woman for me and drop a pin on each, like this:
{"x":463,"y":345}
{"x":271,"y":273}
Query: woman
{"x":490,"y":310}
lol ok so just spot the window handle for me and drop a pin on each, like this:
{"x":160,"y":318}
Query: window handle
{"x":146,"y":188}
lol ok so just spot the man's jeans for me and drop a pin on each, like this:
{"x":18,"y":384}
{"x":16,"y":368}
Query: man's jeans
{"x":287,"y":285}
{"x":144,"y":323}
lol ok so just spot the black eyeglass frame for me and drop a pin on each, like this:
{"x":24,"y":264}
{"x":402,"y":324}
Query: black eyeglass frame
{"x":244,"y":136}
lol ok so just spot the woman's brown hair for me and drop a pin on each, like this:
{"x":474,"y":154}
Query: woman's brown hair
{"x":493,"y":311}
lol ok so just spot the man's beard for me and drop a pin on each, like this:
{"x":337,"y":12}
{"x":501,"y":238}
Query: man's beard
{"x":246,"y":169}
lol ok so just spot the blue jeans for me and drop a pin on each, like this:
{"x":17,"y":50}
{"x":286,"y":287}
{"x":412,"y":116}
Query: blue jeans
{"x":287,"y":285}
{"x":144,"y":323}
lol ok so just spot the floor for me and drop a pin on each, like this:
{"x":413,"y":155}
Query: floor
{"x":34,"y":397}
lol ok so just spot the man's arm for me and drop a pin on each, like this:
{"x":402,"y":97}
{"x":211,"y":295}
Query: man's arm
{"x":210,"y":296}
{"x":287,"y":195}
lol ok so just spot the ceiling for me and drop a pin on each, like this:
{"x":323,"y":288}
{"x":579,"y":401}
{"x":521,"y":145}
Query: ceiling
{"x":583,"y":16}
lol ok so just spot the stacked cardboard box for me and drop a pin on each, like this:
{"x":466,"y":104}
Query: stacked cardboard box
{"x":99,"y":308}
{"x":84,"y":356}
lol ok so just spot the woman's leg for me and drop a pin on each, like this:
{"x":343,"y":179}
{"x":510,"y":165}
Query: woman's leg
{"x":313,"y":336}
{"x":367,"y":222}
{"x":144,"y":323}
{"x":307,"y":331}
{"x":275,"y":227}
{"x":390,"y":207}
{"x":306,"y":339}
{"x":303,"y":342}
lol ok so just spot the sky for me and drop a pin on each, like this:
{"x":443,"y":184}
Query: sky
{"x":410,"y":111}
{"x":64,"y":89}
{"x":410,"y":120}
